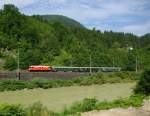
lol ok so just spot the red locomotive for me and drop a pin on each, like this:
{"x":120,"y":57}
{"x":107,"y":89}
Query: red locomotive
{"x":40,"y":69}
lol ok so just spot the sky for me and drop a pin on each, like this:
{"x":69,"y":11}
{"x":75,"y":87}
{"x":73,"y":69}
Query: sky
{"x":130,"y":16}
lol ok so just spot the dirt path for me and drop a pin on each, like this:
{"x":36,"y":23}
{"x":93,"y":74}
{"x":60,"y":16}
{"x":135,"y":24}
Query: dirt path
{"x":143,"y":111}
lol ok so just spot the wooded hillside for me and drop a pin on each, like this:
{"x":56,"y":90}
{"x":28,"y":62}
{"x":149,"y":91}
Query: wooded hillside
{"x":42,"y":42}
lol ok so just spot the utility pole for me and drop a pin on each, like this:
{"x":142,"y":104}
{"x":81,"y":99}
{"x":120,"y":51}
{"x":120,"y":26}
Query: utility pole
{"x":136,"y":65}
{"x":71,"y":62}
{"x":18,"y":63}
{"x":90,"y":64}
{"x":113,"y":64}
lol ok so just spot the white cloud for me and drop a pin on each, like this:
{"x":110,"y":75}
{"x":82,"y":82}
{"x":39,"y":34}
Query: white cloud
{"x":18,"y":3}
{"x":100,"y":9}
{"x":56,"y":1}
{"x":138,"y":29}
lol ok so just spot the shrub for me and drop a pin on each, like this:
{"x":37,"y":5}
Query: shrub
{"x":12,"y":110}
{"x":134,"y":100}
{"x":88,"y":104}
{"x":143,"y":86}
{"x":84,"y":106}
{"x":86,"y":81}
{"x":77,"y":80}
{"x":12,"y":85}
{"x":37,"y":109}
{"x":40,"y":83}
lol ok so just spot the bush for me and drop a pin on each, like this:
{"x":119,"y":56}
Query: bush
{"x":134,"y":101}
{"x":37,"y":109}
{"x":40,"y":83}
{"x":45,"y":83}
{"x":12,"y":110}
{"x":84,"y":106}
{"x":143,"y":86}
{"x":12,"y":85}
{"x":125,"y":76}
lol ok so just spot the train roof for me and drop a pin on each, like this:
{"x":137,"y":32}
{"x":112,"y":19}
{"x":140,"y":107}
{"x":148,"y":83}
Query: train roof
{"x":39,"y":66}
{"x":87,"y":67}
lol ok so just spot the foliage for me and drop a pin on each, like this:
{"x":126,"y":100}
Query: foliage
{"x":40,"y":83}
{"x":84,"y":106}
{"x":10,"y":63}
{"x":37,"y":109}
{"x":134,"y":101}
{"x":102,"y":78}
{"x":62,"y":59}
{"x":11,"y":85}
{"x":143,"y":85}
{"x":12,"y":110}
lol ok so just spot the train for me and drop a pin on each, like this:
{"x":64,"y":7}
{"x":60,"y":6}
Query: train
{"x":40,"y":69}
{"x":72,"y":69}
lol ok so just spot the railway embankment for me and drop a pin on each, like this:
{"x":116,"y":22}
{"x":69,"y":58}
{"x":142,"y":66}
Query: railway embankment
{"x":47,"y":75}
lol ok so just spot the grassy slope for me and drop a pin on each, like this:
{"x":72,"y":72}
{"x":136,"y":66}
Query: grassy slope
{"x":57,"y":98}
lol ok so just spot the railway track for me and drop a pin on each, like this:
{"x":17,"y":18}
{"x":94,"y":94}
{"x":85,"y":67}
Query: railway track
{"x":48,"y":75}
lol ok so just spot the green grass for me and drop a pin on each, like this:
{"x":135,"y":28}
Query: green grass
{"x":57,"y":98}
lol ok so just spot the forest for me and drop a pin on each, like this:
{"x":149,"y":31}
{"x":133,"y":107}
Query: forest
{"x":44,"y":42}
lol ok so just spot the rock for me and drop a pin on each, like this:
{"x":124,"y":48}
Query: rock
{"x":118,"y":112}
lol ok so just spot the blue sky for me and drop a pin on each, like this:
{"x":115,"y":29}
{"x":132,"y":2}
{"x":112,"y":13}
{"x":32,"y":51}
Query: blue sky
{"x":117,"y":15}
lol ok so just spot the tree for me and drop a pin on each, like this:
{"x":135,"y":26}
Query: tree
{"x":30,"y":57}
{"x":10,"y":63}
{"x":63,"y":59}
{"x":143,"y":85}
{"x":11,"y":21}
{"x":131,"y":61}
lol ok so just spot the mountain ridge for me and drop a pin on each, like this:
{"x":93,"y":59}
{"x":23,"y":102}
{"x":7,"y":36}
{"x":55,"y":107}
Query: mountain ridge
{"x":66,"y":21}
